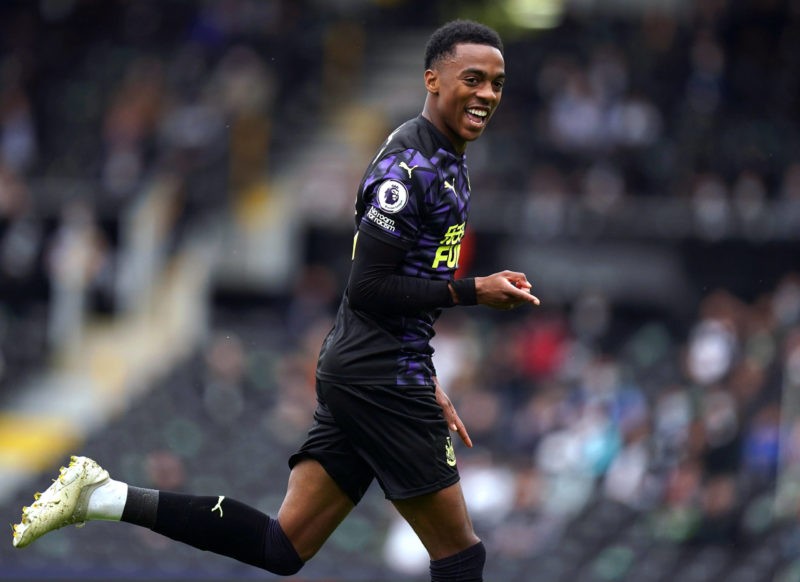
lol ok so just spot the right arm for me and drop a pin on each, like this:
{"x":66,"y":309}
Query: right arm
{"x":375,"y":286}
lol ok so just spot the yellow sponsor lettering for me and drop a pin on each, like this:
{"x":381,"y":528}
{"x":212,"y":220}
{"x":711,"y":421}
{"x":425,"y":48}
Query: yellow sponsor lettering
{"x":450,"y":248}
{"x":447,"y":254}
{"x":454,"y":234}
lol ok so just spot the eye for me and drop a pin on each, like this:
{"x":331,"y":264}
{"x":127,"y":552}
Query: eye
{"x":499,"y":85}
{"x":471,"y":80}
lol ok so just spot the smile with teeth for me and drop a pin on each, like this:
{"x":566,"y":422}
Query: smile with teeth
{"x":478,"y":115}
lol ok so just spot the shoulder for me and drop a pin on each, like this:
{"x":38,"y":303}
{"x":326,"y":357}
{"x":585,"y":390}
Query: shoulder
{"x":415,"y":134}
{"x":410,"y":154}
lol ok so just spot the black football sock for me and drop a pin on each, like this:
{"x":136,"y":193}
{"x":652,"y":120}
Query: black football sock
{"x":216,"y":524}
{"x":141,"y":507}
{"x":465,"y":566}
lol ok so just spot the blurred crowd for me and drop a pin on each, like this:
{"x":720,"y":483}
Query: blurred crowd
{"x":686,"y":428}
{"x":100,"y":102}
{"x":699,"y":106}
{"x":610,"y":445}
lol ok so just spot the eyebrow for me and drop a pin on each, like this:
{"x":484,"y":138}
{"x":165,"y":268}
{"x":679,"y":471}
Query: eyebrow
{"x":482,"y":73}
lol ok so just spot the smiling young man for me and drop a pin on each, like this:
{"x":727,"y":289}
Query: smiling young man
{"x":381,"y":413}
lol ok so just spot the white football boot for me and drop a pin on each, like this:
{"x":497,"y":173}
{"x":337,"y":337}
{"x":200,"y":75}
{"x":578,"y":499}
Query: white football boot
{"x":63,"y":503}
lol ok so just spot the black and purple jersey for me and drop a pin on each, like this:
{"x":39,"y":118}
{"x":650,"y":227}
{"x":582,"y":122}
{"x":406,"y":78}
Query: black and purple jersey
{"x":415,"y":197}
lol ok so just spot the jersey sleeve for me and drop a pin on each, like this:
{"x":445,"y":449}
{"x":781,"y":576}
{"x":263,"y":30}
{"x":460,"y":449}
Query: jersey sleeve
{"x":394,"y":194}
{"x":375,"y":286}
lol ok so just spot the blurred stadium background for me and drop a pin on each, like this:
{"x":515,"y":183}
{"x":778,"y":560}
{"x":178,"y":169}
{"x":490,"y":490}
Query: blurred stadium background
{"x":176,"y":189}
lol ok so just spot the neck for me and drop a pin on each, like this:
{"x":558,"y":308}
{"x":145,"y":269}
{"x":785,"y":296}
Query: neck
{"x":459,"y":144}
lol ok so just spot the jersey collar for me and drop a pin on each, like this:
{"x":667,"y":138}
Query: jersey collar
{"x":440,"y":139}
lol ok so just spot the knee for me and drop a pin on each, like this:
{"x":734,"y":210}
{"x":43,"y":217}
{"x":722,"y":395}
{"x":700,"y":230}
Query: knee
{"x":280,"y":556}
{"x":465,"y":566}
{"x":281,"y":567}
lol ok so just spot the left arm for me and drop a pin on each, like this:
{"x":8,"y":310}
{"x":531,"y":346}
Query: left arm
{"x":450,"y":415}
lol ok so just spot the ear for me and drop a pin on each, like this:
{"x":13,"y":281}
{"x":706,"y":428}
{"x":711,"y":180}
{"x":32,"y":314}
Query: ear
{"x":432,"y":82}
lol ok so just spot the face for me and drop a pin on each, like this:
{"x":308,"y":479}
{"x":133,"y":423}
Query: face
{"x":463,"y":91}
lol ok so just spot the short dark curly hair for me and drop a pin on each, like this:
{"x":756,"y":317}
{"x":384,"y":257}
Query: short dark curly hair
{"x":444,"y":40}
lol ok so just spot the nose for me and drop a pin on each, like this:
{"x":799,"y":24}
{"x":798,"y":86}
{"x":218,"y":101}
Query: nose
{"x":486,"y":92}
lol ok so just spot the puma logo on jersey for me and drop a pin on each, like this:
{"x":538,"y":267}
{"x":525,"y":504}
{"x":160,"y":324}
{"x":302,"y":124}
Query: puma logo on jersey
{"x":404,"y":166}
{"x":450,"y":186}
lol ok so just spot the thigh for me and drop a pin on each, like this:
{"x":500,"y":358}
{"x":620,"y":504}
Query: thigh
{"x":440,"y":520}
{"x":313,"y":507}
{"x":328,"y":444}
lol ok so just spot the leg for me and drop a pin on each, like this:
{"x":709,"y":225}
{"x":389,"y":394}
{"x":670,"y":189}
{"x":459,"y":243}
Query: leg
{"x":442,"y":523}
{"x":440,"y":520}
{"x":403,"y":437}
{"x":313,"y":507}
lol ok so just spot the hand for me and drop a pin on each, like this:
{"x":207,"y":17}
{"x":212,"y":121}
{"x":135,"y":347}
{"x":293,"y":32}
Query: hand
{"x":504,"y":290}
{"x":450,"y":414}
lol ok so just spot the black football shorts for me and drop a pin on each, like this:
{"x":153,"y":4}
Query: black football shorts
{"x":395,"y":434}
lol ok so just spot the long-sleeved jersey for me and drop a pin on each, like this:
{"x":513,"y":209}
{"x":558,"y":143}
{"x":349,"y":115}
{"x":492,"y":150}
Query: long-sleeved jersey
{"x":415,"y":197}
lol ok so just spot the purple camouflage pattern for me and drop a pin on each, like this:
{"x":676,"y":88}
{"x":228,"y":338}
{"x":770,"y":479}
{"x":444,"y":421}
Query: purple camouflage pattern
{"x":395,"y":349}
